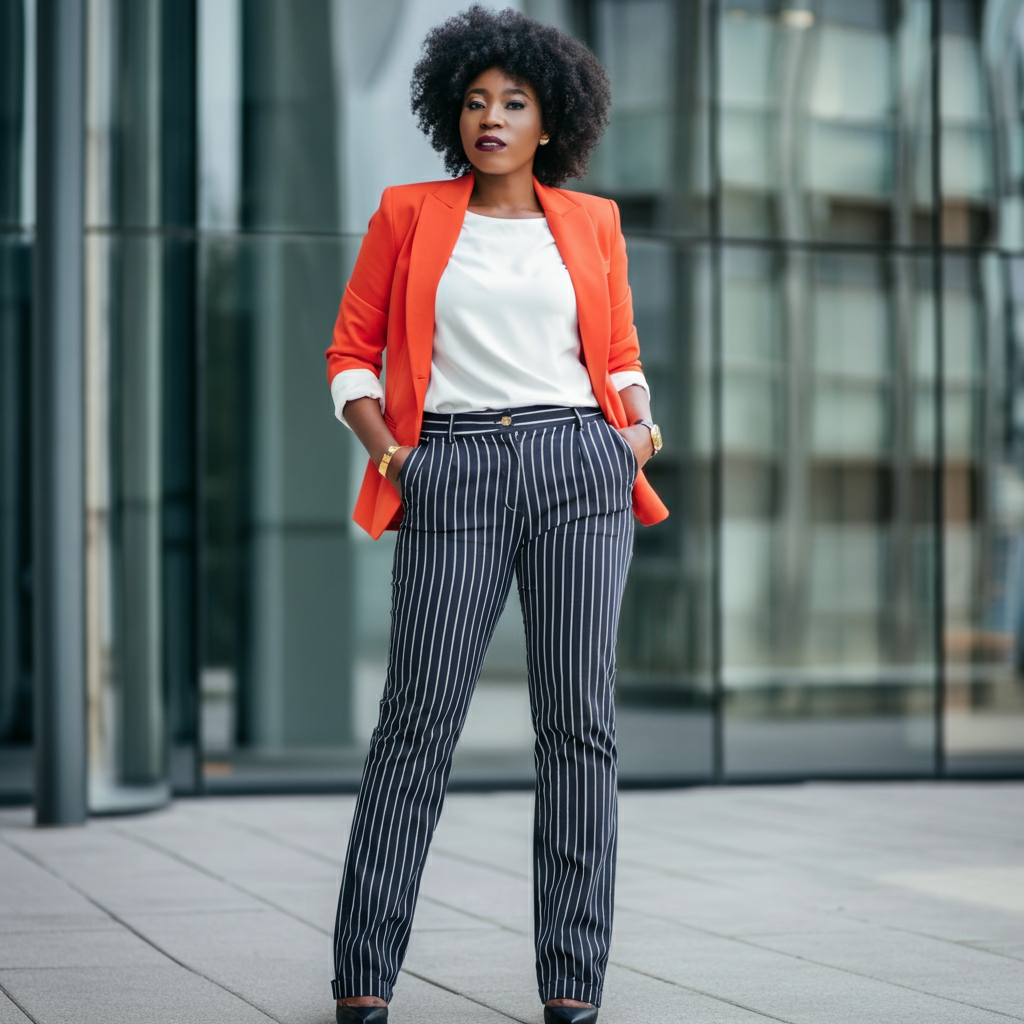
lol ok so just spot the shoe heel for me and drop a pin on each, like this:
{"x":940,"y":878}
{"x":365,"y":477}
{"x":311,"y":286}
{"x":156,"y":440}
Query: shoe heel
{"x":570,"y":1015}
{"x":361,"y":1014}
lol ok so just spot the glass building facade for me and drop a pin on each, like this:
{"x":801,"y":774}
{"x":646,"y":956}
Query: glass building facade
{"x":824,"y":209}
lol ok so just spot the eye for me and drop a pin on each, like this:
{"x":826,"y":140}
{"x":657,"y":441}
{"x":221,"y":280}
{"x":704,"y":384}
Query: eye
{"x":474,"y":105}
{"x":515,"y":105}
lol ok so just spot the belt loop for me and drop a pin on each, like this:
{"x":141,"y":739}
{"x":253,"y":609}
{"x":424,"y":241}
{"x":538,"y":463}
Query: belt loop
{"x":451,"y":428}
{"x":579,"y":418}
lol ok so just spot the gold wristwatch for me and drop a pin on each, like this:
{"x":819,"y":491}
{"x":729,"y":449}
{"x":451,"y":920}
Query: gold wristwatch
{"x":385,"y":462}
{"x":655,"y":430}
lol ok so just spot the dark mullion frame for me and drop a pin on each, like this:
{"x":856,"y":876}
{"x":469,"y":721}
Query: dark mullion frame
{"x":200,"y":491}
{"x":713,"y":12}
{"x":179,"y":102}
{"x":939,"y":477}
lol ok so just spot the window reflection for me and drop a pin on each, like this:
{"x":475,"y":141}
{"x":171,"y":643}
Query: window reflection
{"x":824,"y":113}
{"x":228,"y":190}
{"x":665,"y":658}
{"x":984,"y":514}
{"x":828,"y":547}
{"x":139,"y":401}
{"x":16,"y":218}
{"x":1004,"y":86}
{"x":967,"y":177}
{"x":654,"y":157}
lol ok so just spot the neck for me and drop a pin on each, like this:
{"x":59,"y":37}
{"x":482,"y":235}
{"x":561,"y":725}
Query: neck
{"x":506,"y":193}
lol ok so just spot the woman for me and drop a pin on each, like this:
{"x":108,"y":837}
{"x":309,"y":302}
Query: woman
{"x":509,"y":440}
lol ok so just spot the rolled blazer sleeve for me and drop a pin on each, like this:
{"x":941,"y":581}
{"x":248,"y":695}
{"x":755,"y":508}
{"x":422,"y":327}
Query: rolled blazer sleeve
{"x":361,"y":330}
{"x":624,"y":350}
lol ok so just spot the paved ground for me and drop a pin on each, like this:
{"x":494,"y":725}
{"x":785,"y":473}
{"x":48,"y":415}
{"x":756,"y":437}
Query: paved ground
{"x":815,"y":903}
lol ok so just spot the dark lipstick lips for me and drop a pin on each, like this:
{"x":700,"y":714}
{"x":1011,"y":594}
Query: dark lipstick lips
{"x":489,"y":143}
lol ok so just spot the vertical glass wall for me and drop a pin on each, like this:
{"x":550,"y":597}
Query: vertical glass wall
{"x":829,"y":549}
{"x":826,"y":236}
{"x":17,"y":214}
{"x":982,"y":191}
{"x":140,"y":409}
{"x":655,"y":162}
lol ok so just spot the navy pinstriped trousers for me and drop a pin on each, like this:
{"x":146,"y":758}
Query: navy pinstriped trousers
{"x":544,"y":493}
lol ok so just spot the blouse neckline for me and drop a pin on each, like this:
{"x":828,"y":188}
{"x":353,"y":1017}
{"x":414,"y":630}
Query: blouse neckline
{"x":509,"y":220}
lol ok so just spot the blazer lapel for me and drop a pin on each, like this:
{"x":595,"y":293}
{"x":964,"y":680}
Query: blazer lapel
{"x":437,"y":231}
{"x":577,"y":243}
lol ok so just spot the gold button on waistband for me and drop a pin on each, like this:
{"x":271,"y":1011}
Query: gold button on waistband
{"x":506,"y":421}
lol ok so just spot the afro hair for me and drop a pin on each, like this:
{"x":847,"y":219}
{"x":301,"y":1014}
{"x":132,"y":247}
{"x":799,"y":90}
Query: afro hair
{"x":571,"y":86}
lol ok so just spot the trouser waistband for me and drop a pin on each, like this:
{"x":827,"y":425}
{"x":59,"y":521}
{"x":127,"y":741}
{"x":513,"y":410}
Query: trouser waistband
{"x":495,"y":421}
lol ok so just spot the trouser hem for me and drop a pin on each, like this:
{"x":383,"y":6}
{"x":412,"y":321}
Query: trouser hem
{"x":351,"y":988}
{"x":570,"y":988}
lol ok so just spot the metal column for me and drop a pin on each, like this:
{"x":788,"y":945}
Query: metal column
{"x":58,"y":496}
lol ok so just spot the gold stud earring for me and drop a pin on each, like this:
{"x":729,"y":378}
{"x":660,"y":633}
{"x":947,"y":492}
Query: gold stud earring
{"x":544,"y":142}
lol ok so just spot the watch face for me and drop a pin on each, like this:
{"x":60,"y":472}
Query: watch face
{"x":656,"y":437}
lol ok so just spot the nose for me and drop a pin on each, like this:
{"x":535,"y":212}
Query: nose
{"x":493,"y":119}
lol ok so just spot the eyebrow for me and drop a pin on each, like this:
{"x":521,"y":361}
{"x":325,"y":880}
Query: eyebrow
{"x":505,"y":92}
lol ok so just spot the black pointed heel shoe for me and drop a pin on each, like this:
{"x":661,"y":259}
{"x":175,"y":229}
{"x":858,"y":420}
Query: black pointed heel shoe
{"x":362,"y":1014}
{"x":570,"y":1015}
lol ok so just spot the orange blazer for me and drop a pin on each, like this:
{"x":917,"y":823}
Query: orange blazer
{"x":389,"y":304}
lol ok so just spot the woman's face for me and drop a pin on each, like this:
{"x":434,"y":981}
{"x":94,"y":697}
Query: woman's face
{"x":500,"y":123}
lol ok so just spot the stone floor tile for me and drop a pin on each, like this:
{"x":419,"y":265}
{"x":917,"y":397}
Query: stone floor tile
{"x":779,"y":985}
{"x":1014,"y":950}
{"x":281,"y":965}
{"x":419,"y":1002}
{"x":9,"y":1013}
{"x":950,"y":970}
{"x":29,"y":889}
{"x":76,"y":948}
{"x":120,"y":874}
{"x":629,"y":996}
{"x":91,"y":920}
{"x":432,"y":916}
{"x":475,"y":963}
{"x":904,"y":910}
{"x":249,"y":937}
{"x":313,"y":903}
{"x":127,"y":995}
{"x":485,"y":893}
{"x":231,"y":852}
{"x":717,"y":908}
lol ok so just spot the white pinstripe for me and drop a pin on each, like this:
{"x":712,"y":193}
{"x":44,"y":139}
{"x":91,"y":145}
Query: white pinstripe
{"x":548,"y":499}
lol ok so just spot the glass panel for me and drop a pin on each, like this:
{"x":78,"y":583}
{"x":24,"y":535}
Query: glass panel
{"x":16,"y":216}
{"x":141,"y":174}
{"x":280,"y":587}
{"x":824,"y":114}
{"x":124,"y":445}
{"x":982,"y":123}
{"x":665,"y":638}
{"x":967,"y":153}
{"x":653,"y":159}
{"x":290,"y":177}
{"x":984,"y":515}
{"x":828,"y":547}
{"x":15,"y":538}
{"x":140,"y":113}
{"x":1002,"y":89}
{"x":16,"y":129}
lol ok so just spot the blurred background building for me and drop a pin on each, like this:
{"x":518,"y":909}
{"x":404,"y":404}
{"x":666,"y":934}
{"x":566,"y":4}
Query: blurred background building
{"x":824,"y":206}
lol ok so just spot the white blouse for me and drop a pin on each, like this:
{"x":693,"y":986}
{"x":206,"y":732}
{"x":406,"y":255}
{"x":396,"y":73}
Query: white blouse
{"x":506,"y":334}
